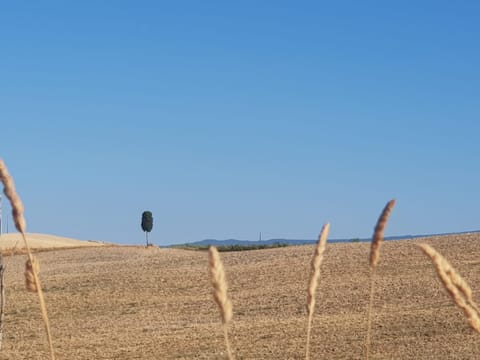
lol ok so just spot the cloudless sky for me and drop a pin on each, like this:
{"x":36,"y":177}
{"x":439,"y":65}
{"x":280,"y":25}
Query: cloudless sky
{"x":229,"y":118}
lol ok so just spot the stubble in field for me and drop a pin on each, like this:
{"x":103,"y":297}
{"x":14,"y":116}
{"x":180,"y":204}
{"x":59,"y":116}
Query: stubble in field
{"x":137,"y":303}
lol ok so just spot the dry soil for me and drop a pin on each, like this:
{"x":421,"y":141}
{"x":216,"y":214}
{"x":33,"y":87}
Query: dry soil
{"x":137,"y":303}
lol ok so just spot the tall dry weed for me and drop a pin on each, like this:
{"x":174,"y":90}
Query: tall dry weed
{"x":220,"y":295}
{"x":456,"y":286}
{"x":377,"y":240}
{"x":31,"y":265}
{"x":314,"y":276}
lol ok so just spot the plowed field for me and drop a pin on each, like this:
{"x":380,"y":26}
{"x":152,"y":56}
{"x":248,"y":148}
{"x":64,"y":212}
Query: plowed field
{"x":137,"y":303}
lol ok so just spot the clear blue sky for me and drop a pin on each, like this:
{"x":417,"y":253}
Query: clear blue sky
{"x":229,"y":118}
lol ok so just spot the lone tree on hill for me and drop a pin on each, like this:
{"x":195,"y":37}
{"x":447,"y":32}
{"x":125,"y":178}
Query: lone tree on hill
{"x":147,"y":223}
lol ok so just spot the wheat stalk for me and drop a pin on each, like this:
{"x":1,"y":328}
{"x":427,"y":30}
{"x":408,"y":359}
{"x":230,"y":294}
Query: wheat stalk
{"x":463,"y":287}
{"x":458,"y":288}
{"x":377,"y":238}
{"x":314,"y":276}
{"x":31,"y":266}
{"x":219,"y":283}
{"x":377,"y":241}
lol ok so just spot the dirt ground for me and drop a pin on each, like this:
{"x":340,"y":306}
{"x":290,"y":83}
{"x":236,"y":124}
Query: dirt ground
{"x":137,"y":303}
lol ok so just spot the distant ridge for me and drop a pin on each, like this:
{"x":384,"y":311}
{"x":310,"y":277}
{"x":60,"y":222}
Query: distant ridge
{"x":215,"y":242}
{"x":43,"y":241}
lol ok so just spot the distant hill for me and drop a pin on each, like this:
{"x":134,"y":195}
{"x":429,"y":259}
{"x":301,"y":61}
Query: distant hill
{"x":43,"y":241}
{"x":215,"y":242}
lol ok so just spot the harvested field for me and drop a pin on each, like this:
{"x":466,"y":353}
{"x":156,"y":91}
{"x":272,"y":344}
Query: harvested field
{"x":138,"y":303}
{"x":14,"y":242}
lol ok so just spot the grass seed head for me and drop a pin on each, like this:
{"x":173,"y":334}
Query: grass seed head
{"x":457,"y":288}
{"x":315,"y":267}
{"x":379,"y":233}
{"x":219,"y":283}
{"x":11,"y":194}
{"x":32,"y":268}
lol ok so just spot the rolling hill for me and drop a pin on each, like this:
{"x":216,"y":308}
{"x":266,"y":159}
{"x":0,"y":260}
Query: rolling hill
{"x":42,"y":241}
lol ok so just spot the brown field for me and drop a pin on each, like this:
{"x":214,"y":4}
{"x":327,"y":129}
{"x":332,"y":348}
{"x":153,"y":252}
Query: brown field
{"x":137,"y":303}
{"x":14,"y":242}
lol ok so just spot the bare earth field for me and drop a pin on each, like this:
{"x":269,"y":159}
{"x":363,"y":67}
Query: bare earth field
{"x":137,"y":303}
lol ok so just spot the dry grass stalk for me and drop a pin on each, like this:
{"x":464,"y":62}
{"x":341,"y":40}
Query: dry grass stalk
{"x":31,"y":268}
{"x":219,"y":283}
{"x":377,"y":241}
{"x":463,"y":287}
{"x":314,"y":276}
{"x":31,"y":271}
{"x":12,"y":196}
{"x":458,"y":288}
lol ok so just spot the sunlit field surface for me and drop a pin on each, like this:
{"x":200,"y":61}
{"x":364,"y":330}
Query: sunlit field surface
{"x":151,"y":303}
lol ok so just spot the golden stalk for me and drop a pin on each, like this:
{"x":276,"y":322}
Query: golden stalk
{"x":314,"y":276}
{"x":31,"y":266}
{"x":458,"y":288}
{"x":219,"y":283}
{"x":377,"y":240}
